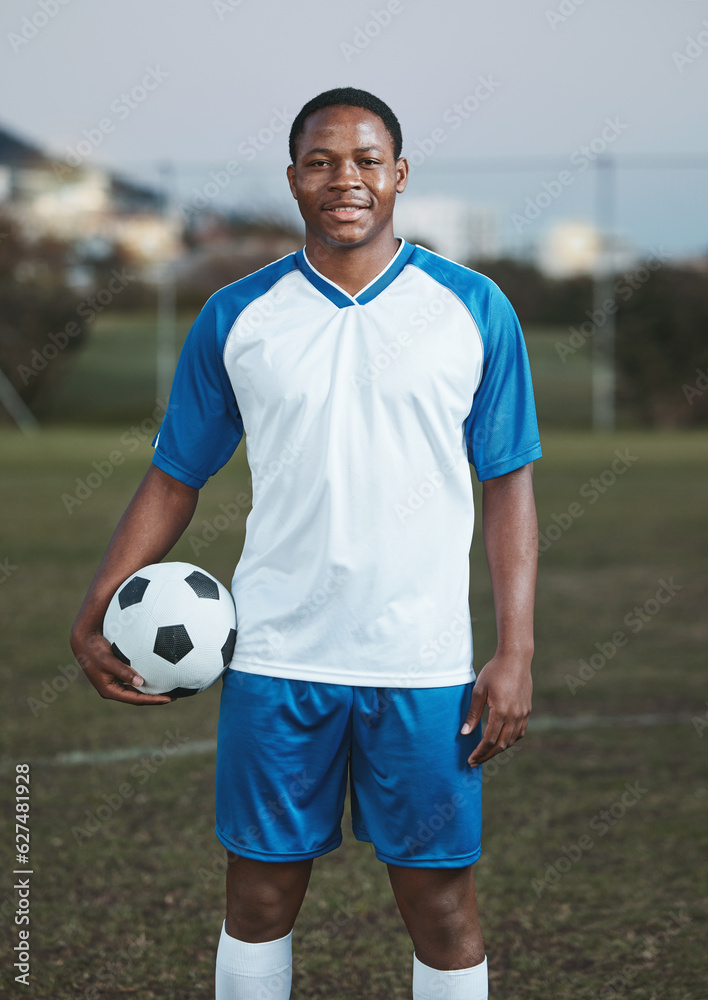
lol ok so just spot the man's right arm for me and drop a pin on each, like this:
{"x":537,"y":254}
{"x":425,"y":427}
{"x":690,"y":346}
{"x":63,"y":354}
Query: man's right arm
{"x":153,"y":522}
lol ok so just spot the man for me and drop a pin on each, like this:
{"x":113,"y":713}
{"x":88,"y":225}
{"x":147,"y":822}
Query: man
{"x":367,"y":374}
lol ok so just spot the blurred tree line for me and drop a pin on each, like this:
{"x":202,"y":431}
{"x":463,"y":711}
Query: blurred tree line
{"x":661,"y":331}
{"x":45,"y":313}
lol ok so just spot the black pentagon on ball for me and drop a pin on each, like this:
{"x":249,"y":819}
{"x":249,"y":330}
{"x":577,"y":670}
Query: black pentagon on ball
{"x":182,"y":692}
{"x":172,"y":643}
{"x":133,"y":592}
{"x":119,"y":654}
{"x":227,"y":650}
{"x":202,"y":585}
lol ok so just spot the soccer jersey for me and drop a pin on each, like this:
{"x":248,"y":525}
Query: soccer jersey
{"x":361,"y":414}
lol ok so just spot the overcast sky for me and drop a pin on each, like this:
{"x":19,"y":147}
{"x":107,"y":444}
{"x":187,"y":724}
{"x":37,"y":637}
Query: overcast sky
{"x":539,"y":77}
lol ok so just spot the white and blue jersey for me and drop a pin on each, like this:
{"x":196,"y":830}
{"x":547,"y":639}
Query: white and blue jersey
{"x":361,"y":416}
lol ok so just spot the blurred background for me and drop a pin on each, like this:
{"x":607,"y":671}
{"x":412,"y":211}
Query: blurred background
{"x":560,"y":147}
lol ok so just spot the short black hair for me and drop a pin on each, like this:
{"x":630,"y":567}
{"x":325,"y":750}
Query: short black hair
{"x":353,"y":98}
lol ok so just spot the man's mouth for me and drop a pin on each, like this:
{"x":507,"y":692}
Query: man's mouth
{"x":347,"y":213}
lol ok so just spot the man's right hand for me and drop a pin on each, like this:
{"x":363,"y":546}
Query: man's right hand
{"x":109,"y":675}
{"x":155,"y":518}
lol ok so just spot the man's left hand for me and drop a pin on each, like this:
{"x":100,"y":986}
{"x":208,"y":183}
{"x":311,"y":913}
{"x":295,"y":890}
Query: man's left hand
{"x":505,"y":685}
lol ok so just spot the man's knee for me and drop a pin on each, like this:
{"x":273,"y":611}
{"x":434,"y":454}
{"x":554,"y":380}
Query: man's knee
{"x":263,"y":898}
{"x":442,"y":898}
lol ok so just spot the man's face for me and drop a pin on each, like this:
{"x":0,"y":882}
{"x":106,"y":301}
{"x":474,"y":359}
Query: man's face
{"x":345,"y":177}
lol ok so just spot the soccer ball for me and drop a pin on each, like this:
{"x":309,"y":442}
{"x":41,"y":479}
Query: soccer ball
{"x":175,"y":625}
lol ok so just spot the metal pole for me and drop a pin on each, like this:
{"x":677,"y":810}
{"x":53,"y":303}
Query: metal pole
{"x":166,"y":348}
{"x":603,"y":350}
{"x":16,"y":406}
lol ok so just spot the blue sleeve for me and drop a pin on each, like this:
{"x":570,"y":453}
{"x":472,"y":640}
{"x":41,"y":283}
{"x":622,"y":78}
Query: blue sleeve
{"x":202,"y":426}
{"x":501,"y":430}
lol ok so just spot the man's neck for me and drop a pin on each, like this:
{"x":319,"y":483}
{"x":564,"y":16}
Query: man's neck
{"x":352,"y":268}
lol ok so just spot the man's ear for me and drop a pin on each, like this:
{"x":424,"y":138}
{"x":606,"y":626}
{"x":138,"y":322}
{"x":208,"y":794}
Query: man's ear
{"x":402,"y":170}
{"x":291,"y":180}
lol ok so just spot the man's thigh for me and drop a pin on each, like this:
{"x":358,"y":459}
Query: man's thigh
{"x":413,"y":794}
{"x":281,"y":766}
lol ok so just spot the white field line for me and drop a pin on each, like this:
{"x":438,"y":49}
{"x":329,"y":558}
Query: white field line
{"x":543,"y":723}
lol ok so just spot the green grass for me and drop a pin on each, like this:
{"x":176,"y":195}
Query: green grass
{"x":135,"y":907}
{"x":113,"y":377}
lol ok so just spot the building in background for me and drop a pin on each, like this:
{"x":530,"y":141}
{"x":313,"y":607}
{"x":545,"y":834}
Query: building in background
{"x":92,"y":208}
{"x":573,"y":247}
{"x":451,"y":227}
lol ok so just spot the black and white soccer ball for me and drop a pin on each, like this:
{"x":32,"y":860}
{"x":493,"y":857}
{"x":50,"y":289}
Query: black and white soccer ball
{"x":175,"y":624}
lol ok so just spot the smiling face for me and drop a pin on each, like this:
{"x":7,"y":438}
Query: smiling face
{"x":345,"y":178}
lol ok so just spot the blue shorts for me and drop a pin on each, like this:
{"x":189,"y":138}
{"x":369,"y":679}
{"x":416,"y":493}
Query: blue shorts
{"x":285,"y":748}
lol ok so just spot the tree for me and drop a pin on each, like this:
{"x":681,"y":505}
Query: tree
{"x":535,"y":297}
{"x":662,"y":349}
{"x":39,"y":323}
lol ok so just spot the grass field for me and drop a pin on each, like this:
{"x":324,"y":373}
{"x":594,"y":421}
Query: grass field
{"x":592,"y":881}
{"x":113,"y":377}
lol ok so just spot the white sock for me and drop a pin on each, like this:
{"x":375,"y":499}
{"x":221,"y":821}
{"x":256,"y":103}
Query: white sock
{"x":253,"y":971}
{"x":452,"y":984}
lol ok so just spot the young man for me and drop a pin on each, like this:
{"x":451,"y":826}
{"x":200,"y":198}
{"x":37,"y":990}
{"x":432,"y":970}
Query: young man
{"x":367,"y":374}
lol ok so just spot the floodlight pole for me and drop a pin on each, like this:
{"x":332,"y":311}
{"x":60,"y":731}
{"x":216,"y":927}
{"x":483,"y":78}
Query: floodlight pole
{"x":603,"y":348}
{"x":166,"y":347}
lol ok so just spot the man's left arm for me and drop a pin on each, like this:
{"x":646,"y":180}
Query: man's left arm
{"x":510,"y":529}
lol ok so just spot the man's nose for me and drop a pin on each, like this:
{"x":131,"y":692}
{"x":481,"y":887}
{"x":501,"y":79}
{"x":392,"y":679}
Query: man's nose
{"x":346,"y":174}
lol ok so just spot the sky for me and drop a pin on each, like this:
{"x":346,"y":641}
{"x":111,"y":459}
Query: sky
{"x":481,"y":87}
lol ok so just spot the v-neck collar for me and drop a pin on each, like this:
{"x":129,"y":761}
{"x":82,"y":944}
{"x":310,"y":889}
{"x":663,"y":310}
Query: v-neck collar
{"x":338,"y":296}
